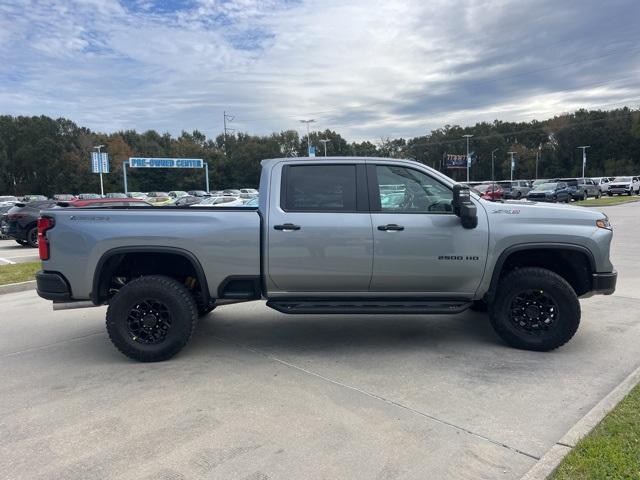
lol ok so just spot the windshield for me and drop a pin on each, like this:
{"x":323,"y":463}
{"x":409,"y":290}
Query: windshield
{"x":622,"y":179}
{"x":546,"y":186}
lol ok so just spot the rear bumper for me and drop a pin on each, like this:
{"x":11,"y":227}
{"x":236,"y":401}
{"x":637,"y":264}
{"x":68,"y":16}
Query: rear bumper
{"x":52,"y":286}
{"x":604,"y":283}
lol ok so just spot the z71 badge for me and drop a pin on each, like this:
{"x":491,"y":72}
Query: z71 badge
{"x":507,"y":211}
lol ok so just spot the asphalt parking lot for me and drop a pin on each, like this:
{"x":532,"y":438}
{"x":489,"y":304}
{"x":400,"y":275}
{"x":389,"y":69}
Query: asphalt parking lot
{"x":261,"y":395}
{"x":11,"y":252}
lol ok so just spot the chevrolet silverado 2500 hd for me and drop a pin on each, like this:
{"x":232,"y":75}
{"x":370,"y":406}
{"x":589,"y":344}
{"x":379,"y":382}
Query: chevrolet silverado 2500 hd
{"x":337,"y":235}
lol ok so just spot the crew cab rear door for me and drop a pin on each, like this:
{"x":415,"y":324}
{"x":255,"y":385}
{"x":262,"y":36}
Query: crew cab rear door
{"x":318,"y":231}
{"x":419,"y":244}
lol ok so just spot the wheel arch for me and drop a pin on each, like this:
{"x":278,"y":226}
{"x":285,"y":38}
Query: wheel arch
{"x":574,"y":263}
{"x":112,"y":258}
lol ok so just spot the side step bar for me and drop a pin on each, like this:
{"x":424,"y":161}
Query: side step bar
{"x":368,"y":306}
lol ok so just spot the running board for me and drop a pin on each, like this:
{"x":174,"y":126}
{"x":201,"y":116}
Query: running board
{"x":368,"y":306}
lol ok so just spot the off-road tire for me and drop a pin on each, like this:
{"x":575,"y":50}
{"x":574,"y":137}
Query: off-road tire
{"x":179,"y":303}
{"x":567,"y":309}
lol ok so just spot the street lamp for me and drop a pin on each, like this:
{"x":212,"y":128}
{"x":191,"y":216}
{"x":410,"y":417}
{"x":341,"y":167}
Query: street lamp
{"x":100,"y":168}
{"x":467,"y":136}
{"x":512,"y":163}
{"x":584,"y":158}
{"x":324,"y":142}
{"x":308,"y":137}
{"x":493,"y":175}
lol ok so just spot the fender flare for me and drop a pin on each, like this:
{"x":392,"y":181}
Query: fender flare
{"x":190,"y":257}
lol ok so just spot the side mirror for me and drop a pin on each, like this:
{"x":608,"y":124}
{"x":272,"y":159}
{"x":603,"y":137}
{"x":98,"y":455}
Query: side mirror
{"x":463,"y":207}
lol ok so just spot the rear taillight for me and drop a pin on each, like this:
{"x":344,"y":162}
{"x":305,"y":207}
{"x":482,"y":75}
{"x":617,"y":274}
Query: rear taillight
{"x":44,"y":224}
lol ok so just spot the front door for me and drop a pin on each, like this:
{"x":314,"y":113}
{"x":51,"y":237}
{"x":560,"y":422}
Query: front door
{"x":419,"y":244}
{"x":319,"y":234}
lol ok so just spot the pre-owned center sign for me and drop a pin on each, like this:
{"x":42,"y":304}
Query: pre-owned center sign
{"x":146,"y":162}
{"x":152,"y":162}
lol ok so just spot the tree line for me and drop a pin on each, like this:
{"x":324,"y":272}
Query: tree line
{"x":41,"y":155}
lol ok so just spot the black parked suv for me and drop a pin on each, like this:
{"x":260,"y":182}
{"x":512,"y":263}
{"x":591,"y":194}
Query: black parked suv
{"x":22,"y":221}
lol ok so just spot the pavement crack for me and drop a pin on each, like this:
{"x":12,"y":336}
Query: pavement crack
{"x":380,"y":398}
{"x":42,"y":347}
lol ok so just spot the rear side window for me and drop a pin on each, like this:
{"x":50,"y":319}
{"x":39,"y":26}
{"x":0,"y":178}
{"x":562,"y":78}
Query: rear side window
{"x":319,"y":188}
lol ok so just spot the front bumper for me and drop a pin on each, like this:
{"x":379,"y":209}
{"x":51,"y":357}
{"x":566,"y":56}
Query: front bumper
{"x":620,"y":190}
{"x":53,"y":286}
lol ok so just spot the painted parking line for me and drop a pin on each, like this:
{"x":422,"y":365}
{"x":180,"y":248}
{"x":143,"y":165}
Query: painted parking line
{"x":7,"y":261}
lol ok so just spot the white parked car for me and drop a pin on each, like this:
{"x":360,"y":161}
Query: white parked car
{"x":177,"y":194}
{"x":220,"y":201}
{"x":248,"y":193}
{"x":603,"y":183}
{"x":624,"y":185}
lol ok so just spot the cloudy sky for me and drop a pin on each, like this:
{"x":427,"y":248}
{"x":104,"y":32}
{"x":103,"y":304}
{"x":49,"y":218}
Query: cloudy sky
{"x":366,"y":69}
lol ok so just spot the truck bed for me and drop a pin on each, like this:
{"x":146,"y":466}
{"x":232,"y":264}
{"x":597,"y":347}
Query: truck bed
{"x":225,"y":241}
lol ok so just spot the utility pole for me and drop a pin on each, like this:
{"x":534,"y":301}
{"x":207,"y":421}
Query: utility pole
{"x":513,"y":163}
{"x":324,"y":142}
{"x":226,"y":118}
{"x":100,"y":168}
{"x":308,"y":137}
{"x":468,"y":159}
{"x":493,"y":158}
{"x":584,"y":158}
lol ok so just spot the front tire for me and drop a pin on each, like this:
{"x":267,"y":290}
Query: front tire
{"x":32,"y":237}
{"x":151,"y":318}
{"x":535,"y":309}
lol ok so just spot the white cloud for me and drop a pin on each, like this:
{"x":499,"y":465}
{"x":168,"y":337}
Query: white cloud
{"x":361,"y":68}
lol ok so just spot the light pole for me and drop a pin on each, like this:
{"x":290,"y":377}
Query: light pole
{"x":100,"y":168}
{"x":513,"y":164}
{"x":493,"y":173}
{"x":308,"y":137}
{"x":584,"y":158}
{"x":324,"y":142}
{"x":538,"y":159}
{"x":467,"y":136}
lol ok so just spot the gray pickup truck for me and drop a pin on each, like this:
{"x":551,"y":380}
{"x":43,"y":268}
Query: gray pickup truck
{"x":337,"y":235}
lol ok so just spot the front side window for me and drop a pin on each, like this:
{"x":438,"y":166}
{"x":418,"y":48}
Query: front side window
{"x":405,"y":190}
{"x":319,"y":188}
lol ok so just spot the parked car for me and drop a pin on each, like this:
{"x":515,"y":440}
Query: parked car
{"x":232,"y":191}
{"x":550,"y":192}
{"x":63,"y":197}
{"x":187,"y":200}
{"x":199,"y":193}
{"x":490,"y":191}
{"x":577,"y":192}
{"x":591,"y":188}
{"x":116,"y":195}
{"x":88,"y":196}
{"x":160,"y":201}
{"x":8,"y":200}
{"x":3,"y":220}
{"x":542,"y":181}
{"x":137,"y":195}
{"x":177,"y":194}
{"x":515,"y":189}
{"x":106,"y":202}
{"x":248,"y":193}
{"x":624,"y":185}
{"x":310,"y":250}
{"x":33,"y":198}
{"x":603,"y":183}
{"x":157,"y":195}
{"x":223,"y":201}
{"x":22,"y":221}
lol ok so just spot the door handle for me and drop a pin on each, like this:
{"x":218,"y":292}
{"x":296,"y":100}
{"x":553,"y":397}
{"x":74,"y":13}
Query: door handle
{"x":287,"y":227}
{"x":391,"y":227}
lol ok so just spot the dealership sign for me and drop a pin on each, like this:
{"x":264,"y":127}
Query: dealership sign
{"x":145,"y":162}
{"x":452,"y":160}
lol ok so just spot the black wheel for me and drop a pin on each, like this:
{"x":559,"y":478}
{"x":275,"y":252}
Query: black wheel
{"x":479,"y":306}
{"x":22,"y":242}
{"x":518,"y":195}
{"x":32,"y":237}
{"x":151,"y":318}
{"x":610,"y":194}
{"x":555,"y":198}
{"x":535,"y":309}
{"x":598,"y":194}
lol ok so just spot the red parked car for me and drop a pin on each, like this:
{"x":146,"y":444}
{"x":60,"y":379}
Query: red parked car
{"x":105,"y":202}
{"x":490,"y":191}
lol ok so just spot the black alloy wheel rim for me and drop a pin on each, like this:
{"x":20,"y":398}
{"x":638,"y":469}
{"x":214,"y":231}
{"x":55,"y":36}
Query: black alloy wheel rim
{"x":533,"y":311}
{"x":149,"y":322}
{"x":33,"y":237}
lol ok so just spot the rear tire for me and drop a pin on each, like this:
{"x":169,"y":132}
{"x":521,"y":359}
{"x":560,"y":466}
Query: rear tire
{"x":22,"y":242}
{"x":535,"y":309}
{"x":32,"y":237}
{"x":151,"y":318}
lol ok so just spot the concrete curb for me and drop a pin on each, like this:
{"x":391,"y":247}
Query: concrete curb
{"x":17,"y":287}
{"x":552,"y":458}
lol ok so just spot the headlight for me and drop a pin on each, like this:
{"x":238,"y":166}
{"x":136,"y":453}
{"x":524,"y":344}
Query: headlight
{"x":604,"y":223}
